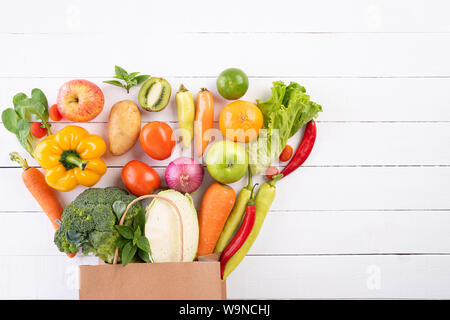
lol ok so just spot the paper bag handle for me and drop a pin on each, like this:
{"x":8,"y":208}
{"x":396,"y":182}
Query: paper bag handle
{"x":172,"y":204}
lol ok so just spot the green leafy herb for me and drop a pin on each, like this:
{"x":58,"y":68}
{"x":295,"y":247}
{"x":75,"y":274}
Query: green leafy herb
{"x":130,"y":79}
{"x":125,"y":231}
{"x":17,"y":120}
{"x":132,"y":241}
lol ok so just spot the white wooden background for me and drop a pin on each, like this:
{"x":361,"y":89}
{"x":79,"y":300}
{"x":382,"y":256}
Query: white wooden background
{"x":368,"y":215}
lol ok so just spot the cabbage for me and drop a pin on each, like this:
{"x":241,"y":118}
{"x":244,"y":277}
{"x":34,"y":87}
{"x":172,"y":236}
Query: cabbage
{"x":285,"y":112}
{"x":162,"y":228}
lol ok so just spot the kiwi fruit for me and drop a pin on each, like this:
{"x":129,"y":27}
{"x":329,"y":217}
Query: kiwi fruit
{"x":154,"y":94}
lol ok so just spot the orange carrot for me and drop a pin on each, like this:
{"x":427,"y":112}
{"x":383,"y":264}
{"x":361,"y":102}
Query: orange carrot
{"x":217,"y":203}
{"x":204,"y":117}
{"x":45,"y":196}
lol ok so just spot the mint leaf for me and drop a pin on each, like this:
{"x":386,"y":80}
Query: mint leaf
{"x":128,"y":253}
{"x":121,"y":73}
{"x":144,"y":256}
{"x":125,"y":231}
{"x":137,"y":234}
{"x":121,"y":242}
{"x":143,"y":244}
{"x":114,"y":83}
{"x":141,"y":78}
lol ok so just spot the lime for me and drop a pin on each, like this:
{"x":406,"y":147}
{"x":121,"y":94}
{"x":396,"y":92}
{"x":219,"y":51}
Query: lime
{"x":232,"y":83}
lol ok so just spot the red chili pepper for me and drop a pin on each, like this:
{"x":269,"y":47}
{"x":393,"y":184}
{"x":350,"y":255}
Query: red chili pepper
{"x":241,"y":235}
{"x":304,"y":149}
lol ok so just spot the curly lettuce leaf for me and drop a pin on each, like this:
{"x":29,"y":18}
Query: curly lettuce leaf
{"x":285,"y":112}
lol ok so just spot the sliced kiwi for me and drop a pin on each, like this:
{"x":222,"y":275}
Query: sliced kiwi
{"x":154,"y":94}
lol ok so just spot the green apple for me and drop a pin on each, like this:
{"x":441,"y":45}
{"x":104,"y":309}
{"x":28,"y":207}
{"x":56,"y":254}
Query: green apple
{"x":227,"y":161}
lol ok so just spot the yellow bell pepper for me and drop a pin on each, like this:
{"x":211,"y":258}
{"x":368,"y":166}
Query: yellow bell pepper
{"x":71,"y":157}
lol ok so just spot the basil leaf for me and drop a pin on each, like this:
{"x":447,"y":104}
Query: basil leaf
{"x":133,"y":74}
{"x":141,"y":78}
{"x":125,"y":232}
{"x":114,"y":83}
{"x":128,"y":253}
{"x":119,"y":208}
{"x":121,"y":73}
{"x":10,"y":120}
{"x":144,"y":256}
{"x":143,"y":244}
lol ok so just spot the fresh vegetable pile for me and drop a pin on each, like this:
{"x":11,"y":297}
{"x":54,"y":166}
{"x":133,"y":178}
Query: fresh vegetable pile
{"x":112,"y":223}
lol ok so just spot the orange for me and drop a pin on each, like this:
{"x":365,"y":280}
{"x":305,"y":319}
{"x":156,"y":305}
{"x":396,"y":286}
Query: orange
{"x":240,"y":121}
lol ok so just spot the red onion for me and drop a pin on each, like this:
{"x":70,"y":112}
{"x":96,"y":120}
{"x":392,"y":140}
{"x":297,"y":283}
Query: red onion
{"x":184,"y":174}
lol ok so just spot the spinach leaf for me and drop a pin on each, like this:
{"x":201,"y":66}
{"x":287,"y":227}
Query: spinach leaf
{"x":10,"y":120}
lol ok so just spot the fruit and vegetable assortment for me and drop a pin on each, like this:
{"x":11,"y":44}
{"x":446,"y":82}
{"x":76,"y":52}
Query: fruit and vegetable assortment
{"x":112,"y":223}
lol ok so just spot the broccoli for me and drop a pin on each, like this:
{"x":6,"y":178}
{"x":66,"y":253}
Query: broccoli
{"x":88,"y":222}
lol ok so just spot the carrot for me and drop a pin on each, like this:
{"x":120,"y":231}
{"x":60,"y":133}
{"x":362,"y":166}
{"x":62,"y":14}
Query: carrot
{"x":216,"y":206}
{"x":204,"y":117}
{"x":45,"y":196}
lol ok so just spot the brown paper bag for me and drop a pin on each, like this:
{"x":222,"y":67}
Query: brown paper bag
{"x":198,"y":280}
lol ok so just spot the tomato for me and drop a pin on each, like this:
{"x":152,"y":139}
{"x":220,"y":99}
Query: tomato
{"x":286,"y":154}
{"x":240,"y":121}
{"x":139,"y":178}
{"x":271,"y":171}
{"x":232,"y":83}
{"x":157,"y":140}
{"x":54,"y":113}
{"x":37,"y":130}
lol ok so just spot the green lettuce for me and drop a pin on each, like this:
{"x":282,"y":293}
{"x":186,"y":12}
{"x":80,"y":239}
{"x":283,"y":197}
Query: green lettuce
{"x":285,"y":112}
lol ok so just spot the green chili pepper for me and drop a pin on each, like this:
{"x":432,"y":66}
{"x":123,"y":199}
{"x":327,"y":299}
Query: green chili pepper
{"x":235,"y":216}
{"x":263,"y":201}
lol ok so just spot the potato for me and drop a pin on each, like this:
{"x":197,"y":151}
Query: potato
{"x":124,"y":127}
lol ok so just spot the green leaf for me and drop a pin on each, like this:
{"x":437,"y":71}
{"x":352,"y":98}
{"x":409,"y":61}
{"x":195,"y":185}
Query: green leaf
{"x":114,"y":83}
{"x":137,"y":234}
{"x":128,"y":253}
{"x":133,"y":74}
{"x":119,"y":208}
{"x":139,"y":220}
{"x":121,"y":242}
{"x":121,"y":73}
{"x":18,"y":98}
{"x":125,"y":231}
{"x":143,"y":244}
{"x":141,"y":78}
{"x":38,"y":109}
{"x":144,"y":256}
{"x":38,"y":95}
{"x":10,"y":119}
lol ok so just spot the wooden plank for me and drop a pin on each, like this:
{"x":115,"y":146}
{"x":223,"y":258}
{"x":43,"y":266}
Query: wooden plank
{"x":308,"y":189}
{"x":299,"y":16}
{"x":283,"y":277}
{"x":296,"y":232}
{"x":354,"y":55}
{"x":343,"y":144}
{"x":343,"y":99}
{"x":341,"y":277}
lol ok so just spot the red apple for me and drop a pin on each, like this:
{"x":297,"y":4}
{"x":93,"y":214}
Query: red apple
{"x":80,"y":100}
